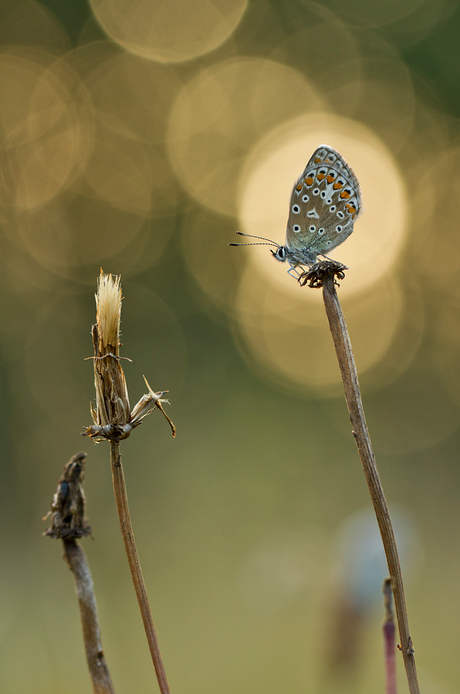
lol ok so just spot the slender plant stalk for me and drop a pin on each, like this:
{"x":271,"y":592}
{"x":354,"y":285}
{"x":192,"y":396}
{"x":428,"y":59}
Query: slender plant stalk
{"x":68,"y":522}
{"x":99,"y":672}
{"x":121,"y":500}
{"x":114,"y":421}
{"x":389,"y":641}
{"x":360,"y":431}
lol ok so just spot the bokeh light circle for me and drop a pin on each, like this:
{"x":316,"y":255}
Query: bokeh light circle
{"x":42,"y":136}
{"x":377,"y":13}
{"x":287,"y":337}
{"x":222,"y":113}
{"x":169,"y":32}
{"x":130,"y":96}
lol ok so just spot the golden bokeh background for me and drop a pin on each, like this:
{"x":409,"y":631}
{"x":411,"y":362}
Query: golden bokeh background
{"x":138,"y":137}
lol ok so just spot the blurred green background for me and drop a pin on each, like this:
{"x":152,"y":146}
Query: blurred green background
{"x":137,"y":137}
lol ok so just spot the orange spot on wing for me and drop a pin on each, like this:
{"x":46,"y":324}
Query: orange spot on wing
{"x":321,"y":176}
{"x":309,"y":181}
{"x":344,"y":194}
{"x":338,"y":185}
{"x":330,"y":178}
{"x":299,"y":187}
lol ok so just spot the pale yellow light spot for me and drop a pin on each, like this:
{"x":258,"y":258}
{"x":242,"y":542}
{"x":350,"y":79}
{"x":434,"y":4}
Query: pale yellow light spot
{"x":220,"y":115}
{"x":169,"y":31}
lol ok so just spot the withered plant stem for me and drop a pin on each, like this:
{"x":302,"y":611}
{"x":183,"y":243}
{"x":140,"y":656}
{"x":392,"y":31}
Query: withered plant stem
{"x":100,"y":676}
{"x":389,"y":640}
{"x":121,"y":500}
{"x":347,"y":365}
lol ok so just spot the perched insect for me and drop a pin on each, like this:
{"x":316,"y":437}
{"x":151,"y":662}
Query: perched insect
{"x":325,"y":202}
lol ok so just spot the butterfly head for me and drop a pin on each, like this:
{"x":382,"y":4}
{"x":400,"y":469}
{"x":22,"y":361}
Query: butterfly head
{"x":294,"y":256}
{"x":280,"y":253}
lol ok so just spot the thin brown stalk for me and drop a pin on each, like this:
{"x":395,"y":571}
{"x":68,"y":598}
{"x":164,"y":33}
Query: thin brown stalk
{"x":99,"y":672}
{"x":324,"y":275}
{"x":121,"y":500}
{"x":114,"y":421}
{"x":68,"y":522}
{"x":389,"y":641}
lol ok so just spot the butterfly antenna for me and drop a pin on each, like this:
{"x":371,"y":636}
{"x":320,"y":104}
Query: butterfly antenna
{"x":268,"y":242}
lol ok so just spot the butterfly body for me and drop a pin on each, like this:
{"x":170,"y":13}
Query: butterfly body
{"x":325,"y":202}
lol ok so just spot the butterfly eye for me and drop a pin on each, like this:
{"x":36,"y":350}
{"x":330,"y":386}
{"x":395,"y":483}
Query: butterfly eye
{"x":312,"y":228}
{"x":338,"y":228}
{"x":296,"y":209}
{"x":281,"y":253}
{"x":296,"y":228}
{"x":305,"y":198}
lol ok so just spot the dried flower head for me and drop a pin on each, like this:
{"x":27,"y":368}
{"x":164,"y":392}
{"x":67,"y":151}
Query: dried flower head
{"x":112,"y":416}
{"x":68,"y":506}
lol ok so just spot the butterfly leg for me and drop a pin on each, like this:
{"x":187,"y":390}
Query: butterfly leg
{"x":294,"y":270}
{"x":298,"y":270}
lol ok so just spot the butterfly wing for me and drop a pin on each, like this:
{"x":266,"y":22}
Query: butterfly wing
{"x":325,"y":202}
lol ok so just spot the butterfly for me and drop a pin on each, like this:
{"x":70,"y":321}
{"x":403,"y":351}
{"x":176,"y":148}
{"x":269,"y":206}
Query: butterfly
{"x":325,"y":203}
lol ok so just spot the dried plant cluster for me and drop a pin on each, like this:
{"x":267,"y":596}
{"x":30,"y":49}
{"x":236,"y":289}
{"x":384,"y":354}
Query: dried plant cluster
{"x":68,"y":506}
{"x":112,"y":417}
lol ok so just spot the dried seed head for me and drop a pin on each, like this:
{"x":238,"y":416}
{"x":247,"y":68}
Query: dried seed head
{"x":112,"y":401}
{"x":112,"y":416}
{"x":108,"y":304}
{"x":68,"y":506}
